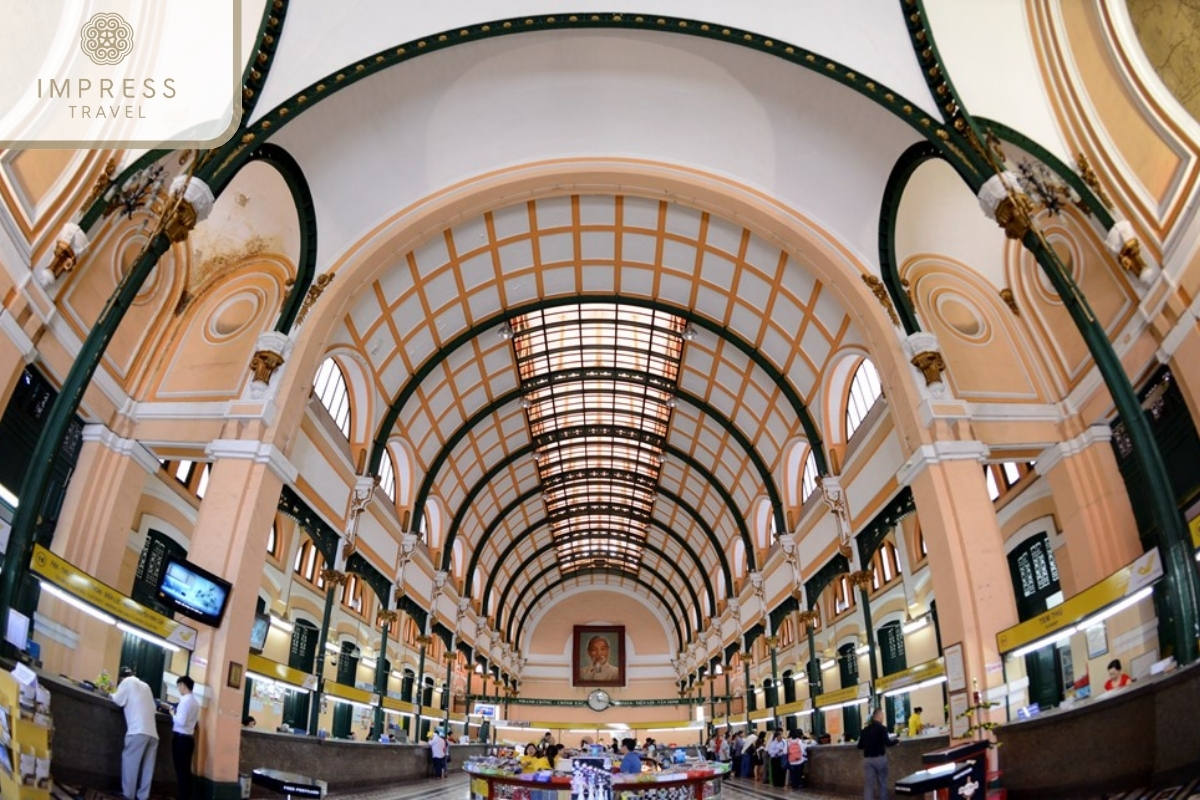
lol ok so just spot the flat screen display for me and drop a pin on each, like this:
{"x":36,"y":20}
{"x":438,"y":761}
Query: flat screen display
{"x":258,"y":634}
{"x":193,"y":592}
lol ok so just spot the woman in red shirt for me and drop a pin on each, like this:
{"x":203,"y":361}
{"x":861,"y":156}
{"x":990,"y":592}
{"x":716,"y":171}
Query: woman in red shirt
{"x":1116,"y":678}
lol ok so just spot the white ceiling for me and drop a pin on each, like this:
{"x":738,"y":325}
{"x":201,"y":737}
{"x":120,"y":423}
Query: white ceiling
{"x":321,"y":37}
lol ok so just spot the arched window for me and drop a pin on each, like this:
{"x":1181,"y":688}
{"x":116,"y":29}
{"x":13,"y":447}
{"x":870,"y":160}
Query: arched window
{"x":352,"y":594}
{"x":843,"y":597}
{"x":864,"y":391}
{"x":885,"y":565}
{"x":273,"y":540}
{"x":809,"y":483}
{"x":387,"y":476}
{"x":330,"y":388}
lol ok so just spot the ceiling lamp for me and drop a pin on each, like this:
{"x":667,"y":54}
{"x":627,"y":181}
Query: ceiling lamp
{"x":504,"y":332}
{"x":689,"y":332}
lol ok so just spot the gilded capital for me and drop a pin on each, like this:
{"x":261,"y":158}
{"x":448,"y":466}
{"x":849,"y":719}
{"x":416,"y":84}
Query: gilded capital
{"x":263,"y":365}
{"x":931,"y":365}
{"x":333,"y":577}
{"x":862,"y":578}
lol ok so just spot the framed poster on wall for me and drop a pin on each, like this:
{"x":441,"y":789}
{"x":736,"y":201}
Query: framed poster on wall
{"x":959,"y":721}
{"x":956,"y":676}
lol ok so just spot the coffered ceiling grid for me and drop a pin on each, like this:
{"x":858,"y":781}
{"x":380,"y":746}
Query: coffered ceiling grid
{"x":509,"y":544}
{"x":443,"y":291}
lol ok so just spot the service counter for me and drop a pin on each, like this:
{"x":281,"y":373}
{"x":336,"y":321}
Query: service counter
{"x":89,"y":734}
{"x":344,"y":764}
{"x":838,"y":768}
{"x":1143,"y":735}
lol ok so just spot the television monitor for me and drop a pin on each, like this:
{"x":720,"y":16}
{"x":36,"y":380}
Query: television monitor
{"x":258,"y":634}
{"x":193,"y":592}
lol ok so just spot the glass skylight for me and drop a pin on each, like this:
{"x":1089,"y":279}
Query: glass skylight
{"x":598,"y":382}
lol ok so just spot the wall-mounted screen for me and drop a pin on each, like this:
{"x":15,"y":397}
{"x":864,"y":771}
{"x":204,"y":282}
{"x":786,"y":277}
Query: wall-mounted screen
{"x":258,"y":634}
{"x":193,"y":592}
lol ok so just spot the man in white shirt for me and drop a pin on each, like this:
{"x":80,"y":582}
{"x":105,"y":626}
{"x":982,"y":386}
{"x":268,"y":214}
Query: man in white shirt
{"x":183,"y":741}
{"x":141,"y":735}
{"x":438,"y":749}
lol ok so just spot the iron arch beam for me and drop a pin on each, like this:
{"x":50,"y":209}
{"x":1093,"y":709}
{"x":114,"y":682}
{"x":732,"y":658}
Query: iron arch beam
{"x":583,"y":573}
{"x":533,"y":529}
{"x":477,"y":549}
{"x":501,"y":605}
{"x":306,"y":267}
{"x":460,"y":433}
{"x":526,"y":450}
{"x":719,"y":331}
{"x":876,"y":92}
{"x":908,"y":163}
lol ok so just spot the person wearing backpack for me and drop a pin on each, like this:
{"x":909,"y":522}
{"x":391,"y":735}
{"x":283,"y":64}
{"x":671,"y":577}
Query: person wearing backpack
{"x":797,"y":755}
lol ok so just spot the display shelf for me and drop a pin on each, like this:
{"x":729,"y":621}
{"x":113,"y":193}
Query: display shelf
{"x":24,"y":742}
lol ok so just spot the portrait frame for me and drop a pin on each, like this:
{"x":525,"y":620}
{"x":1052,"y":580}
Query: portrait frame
{"x":581,"y":661}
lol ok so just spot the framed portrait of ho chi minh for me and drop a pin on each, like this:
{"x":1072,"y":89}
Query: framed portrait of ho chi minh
{"x":598,"y":655}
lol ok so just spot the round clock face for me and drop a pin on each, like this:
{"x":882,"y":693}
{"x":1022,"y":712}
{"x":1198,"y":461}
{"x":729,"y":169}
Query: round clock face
{"x":599,"y":700}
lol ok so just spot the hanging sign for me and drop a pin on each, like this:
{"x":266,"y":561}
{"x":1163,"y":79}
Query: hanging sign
{"x":75,"y":581}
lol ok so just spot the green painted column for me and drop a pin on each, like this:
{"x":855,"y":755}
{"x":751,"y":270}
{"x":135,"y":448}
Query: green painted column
{"x":1181,"y":582}
{"x":419,"y":691}
{"x":447,"y":695}
{"x":728,"y":699}
{"x":467,"y":717}
{"x":333,"y":579}
{"x":746,"y":696}
{"x":37,"y":478}
{"x":863,"y":579}
{"x":773,"y":643}
{"x":712,"y":700}
{"x":381,"y":673}
{"x":816,"y":684}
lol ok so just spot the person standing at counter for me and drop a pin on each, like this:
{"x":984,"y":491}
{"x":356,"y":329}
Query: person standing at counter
{"x":438,"y":749}
{"x":631,"y":762}
{"x":141,"y":735}
{"x":874,"y":741}
{"x":1116,"y":678}
{"x":914,"y":722}
{"x":183,"y":739}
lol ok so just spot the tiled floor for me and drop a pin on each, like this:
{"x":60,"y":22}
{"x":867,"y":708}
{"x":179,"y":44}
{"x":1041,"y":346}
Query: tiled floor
{"x":455,"y":788}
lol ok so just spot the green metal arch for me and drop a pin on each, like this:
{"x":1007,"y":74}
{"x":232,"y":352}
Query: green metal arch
{"x":294,"y":107}
{"x":500,"y":606}
{"x":527,"y":450}
{"x":1068,"y":175}
{"x":674,"y":498}
{"x":461,"y":432}
{"x":583,"y":573}
{"x":306,"y":267}
{"x":670,"y":534}
{"x":491,"y":323}
{"x":254,"y":77}
{"x":359,"y":565}
{"x":908,"y":163}
{"x":526,"y":496}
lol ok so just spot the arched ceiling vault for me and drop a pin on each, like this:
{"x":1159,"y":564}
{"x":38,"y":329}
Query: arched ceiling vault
{"x":614,"y":578}
{"x":525,"y":537}
{"x":633,"y":326}
{"x":507,"y":612}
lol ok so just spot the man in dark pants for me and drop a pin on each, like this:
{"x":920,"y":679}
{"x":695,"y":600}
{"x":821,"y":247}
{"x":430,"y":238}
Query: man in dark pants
{"x":874,"y":742}
{"x":183,"y":739}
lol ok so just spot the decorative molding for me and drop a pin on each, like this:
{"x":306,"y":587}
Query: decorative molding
{"x":16,"y":334}
{"x":1049,"y":458}
{"x":129,"y":448}
{"x":1170,"y":343}
{"x":937,"y":453}
{"x":258,"y":452}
